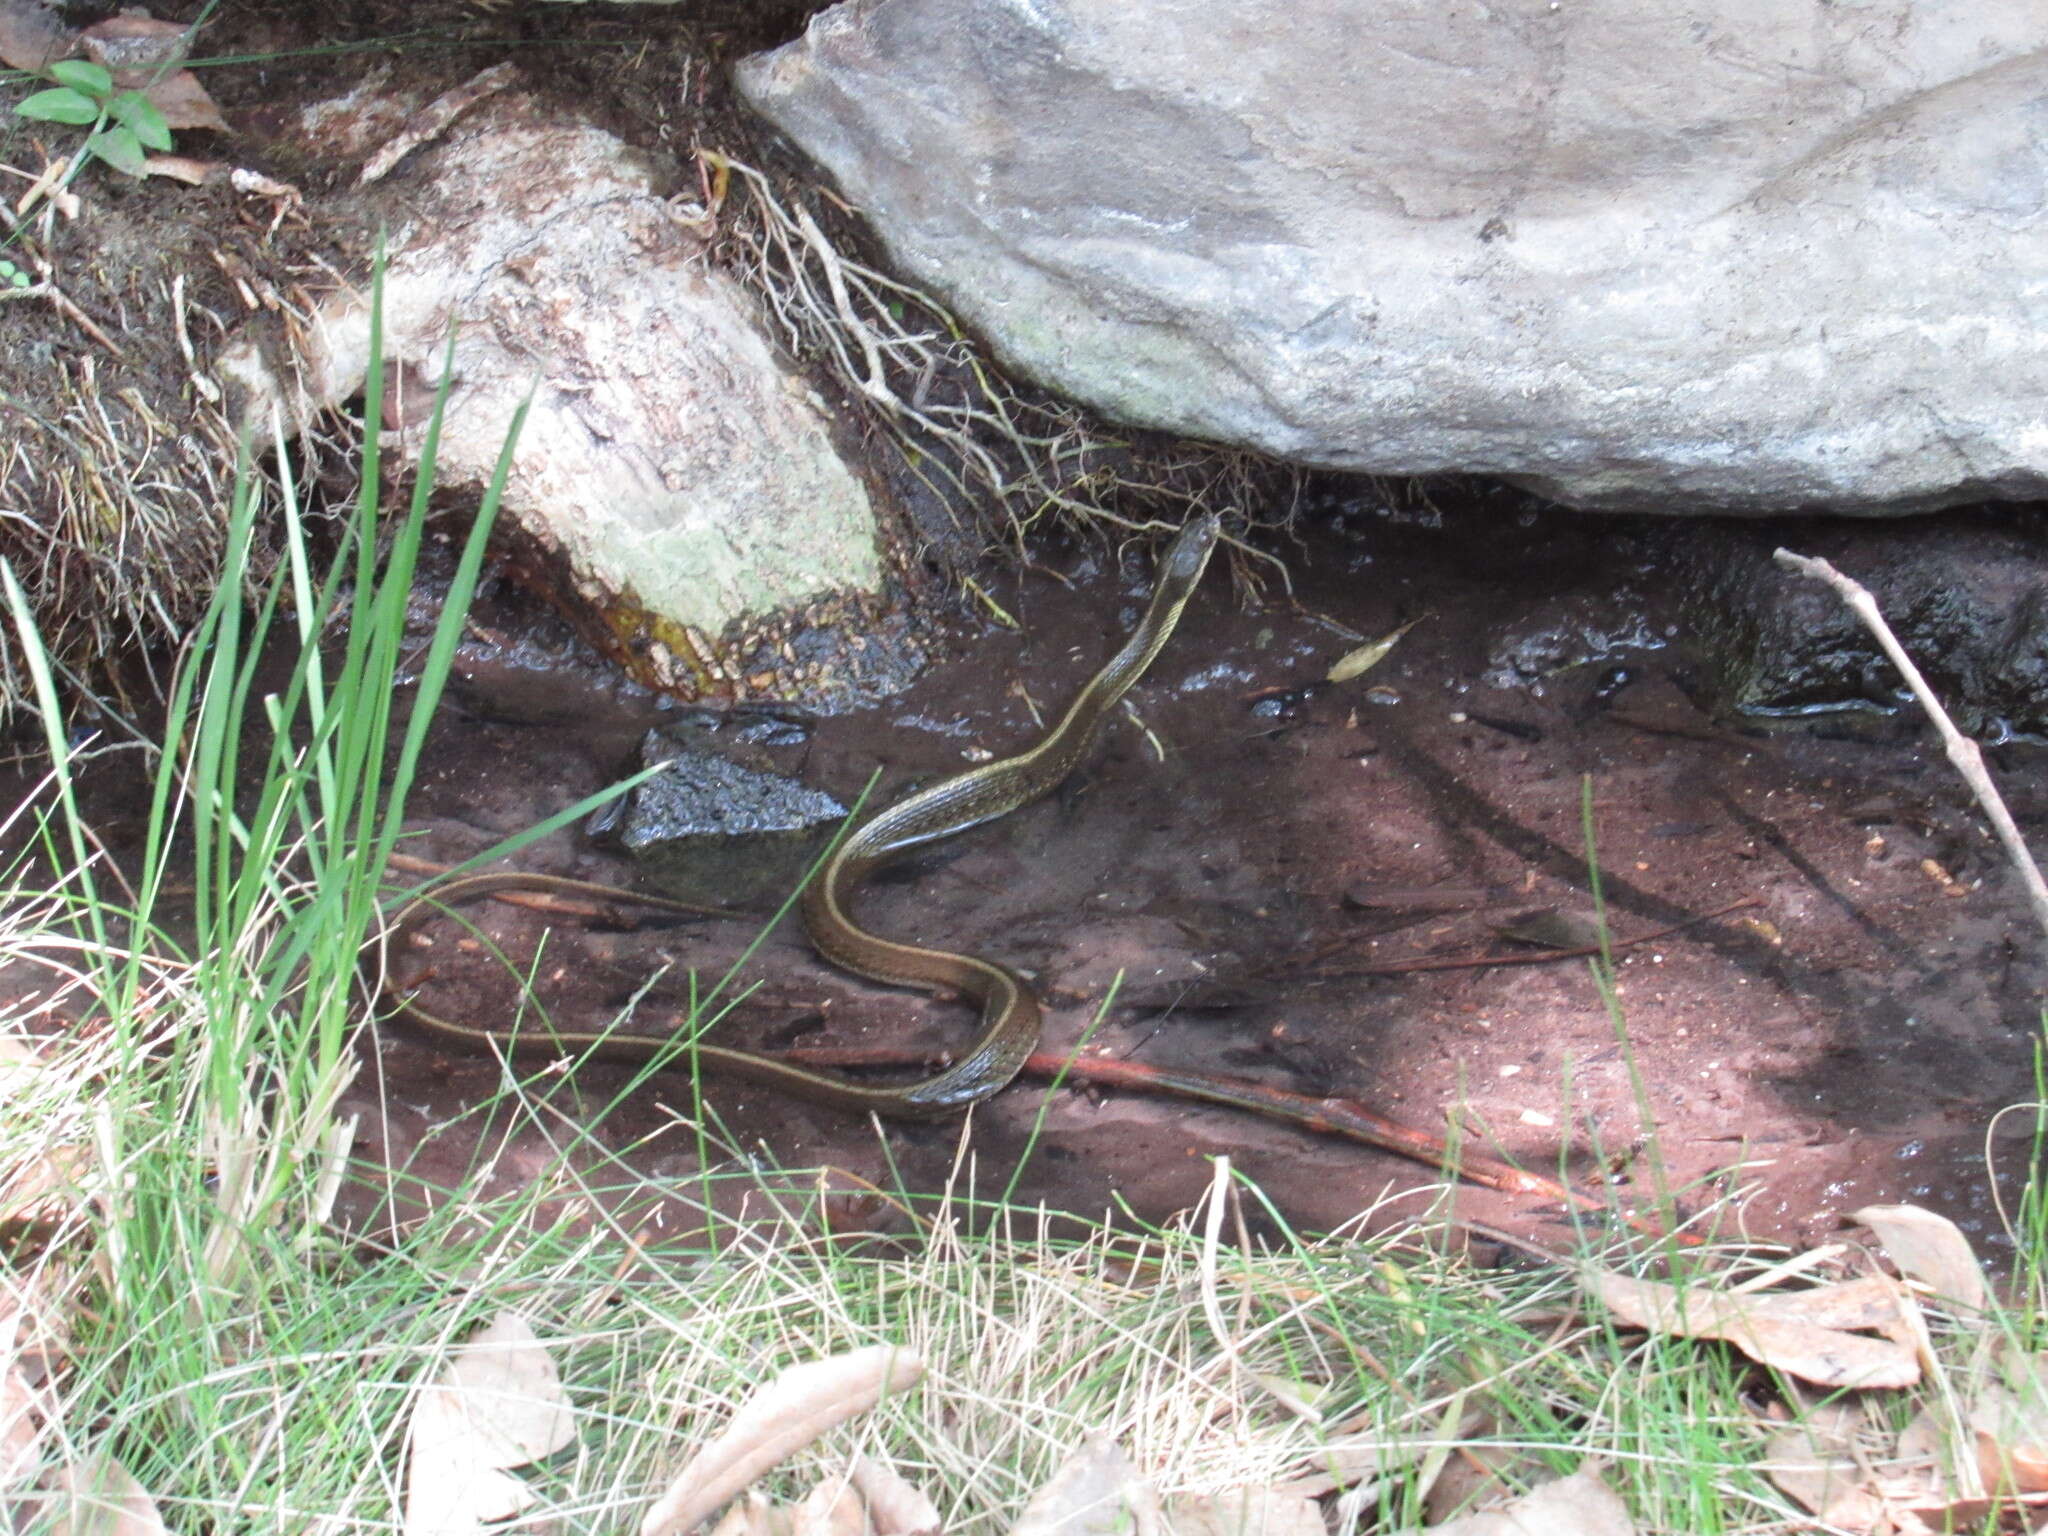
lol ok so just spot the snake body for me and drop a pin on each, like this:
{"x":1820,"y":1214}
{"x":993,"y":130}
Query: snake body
{"x":1010,"y":1017}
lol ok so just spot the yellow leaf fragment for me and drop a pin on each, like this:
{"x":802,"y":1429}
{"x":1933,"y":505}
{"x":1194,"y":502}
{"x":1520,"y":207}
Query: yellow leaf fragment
{"x":896,"y":1506}
{"x":100,"y":1497}
{"x":779,"y":1420}
{"x":1358,"y":662}
{"x":1930,"y":1249}
{"x":1827,"y":1356}
{"x":1371,"y":1458}
{"x":496,"y":1404}
{"x":1095,"y":1492}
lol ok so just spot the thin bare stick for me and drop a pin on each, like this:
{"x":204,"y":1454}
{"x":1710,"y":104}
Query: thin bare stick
{"x":1962,"y":751}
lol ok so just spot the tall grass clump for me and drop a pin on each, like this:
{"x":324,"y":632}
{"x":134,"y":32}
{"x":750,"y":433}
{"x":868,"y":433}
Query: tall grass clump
{"x":221,"y":975}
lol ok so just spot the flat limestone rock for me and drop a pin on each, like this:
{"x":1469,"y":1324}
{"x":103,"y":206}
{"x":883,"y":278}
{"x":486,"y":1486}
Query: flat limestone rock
{"x":1668,"y":255}
{"x":673,"y":467}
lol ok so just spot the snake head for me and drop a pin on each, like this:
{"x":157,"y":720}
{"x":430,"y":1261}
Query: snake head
{"x":1190,"y":550}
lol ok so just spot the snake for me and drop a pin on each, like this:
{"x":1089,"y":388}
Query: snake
{"x":1011,"y":1018}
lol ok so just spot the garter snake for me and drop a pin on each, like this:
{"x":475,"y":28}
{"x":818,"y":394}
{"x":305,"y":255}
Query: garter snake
{"x":1010,"y":1015}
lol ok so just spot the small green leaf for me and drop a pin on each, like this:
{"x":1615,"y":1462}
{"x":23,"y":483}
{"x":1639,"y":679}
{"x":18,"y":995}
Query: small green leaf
{"x":59,"y":106}
{"x":119,"y":148}
{"x":19,"y":278}
{"x":137,"y":111}
{"x":80,"y":75}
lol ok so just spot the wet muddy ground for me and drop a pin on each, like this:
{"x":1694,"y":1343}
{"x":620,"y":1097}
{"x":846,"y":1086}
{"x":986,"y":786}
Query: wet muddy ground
{"x":1253,"y":859}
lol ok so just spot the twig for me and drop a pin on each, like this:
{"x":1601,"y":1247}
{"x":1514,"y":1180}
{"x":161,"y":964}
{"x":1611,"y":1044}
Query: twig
{"x":1487,"y":962}
{"x":1346,"y":1119}
{"x":1962,"y":751}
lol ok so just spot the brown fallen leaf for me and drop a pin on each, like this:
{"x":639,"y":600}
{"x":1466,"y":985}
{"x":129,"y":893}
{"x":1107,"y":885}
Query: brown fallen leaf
{"x":753,"y":1515}
{"x":495,"y":1405}
{"x":1827,"y":1356}
{"x":1095,"y":1492}
{"x":1244,"y":1512}
{"x":1870,"y":1301}
{"x":1350,"y":1460}
{"x":22,"y":1428}
{"x":830,"y":1509}
{"x":44,"y":1188}
{"x":1548,"y":928}
{"x":1579,"y":1505}
{"x":31,"y":37}
{"x":1814,"y":1462}
{"x":1930,"y":1249}
{"x":182,"y":100}
{"x":779,"y":1420}
{"x":194,"y":173}
{"x":2011,"y":1426}
{"x":100,"y":1497}
{"x":31,"y":1335}
{"x":131,"y":42}
{"x":896,"y":1506}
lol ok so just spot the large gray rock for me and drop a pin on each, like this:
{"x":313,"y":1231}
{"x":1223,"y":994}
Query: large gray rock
{"x":1667,"y":254}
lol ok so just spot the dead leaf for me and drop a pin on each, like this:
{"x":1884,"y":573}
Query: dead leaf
{"x":1303,"y":1399}
{"x":135,"y":43}
{"x":1579,"y":1505}
{"x":31,"y":37}
{"x":753,"y":1515}
{"x":1362,"y":660}
{"x":1478,"y":1474}
{"x":1377,"y":896}
{"x":779,"y":1420}
{"x":1871,"y":1301}
{"x":1814,"y":1462}
{"x":1244,"y":1512}
{"x":495,"y":1405}
{"x":1811,"y":1352}
{"x":1096,"y":1492}
{"x":43,"y":1188}
{"x":1930,"y":1249}
{"x":183,"y":102}
{"x":24,"y":1414}
{"x":896,"y":1506}
{"x":2011,"y":1426}
{"x":1350,"y":1460}
{"x":100,"y":1497}
{"x":830,"y":1509}
{"x":1548,"y":928}
{"x":194,"y":173}
{"x":21,"y":1429}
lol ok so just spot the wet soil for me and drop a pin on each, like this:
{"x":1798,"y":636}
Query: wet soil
{"x":1252,"y":861}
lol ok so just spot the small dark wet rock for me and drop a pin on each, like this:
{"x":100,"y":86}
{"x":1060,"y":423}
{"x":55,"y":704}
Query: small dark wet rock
{"x":1969,"y":604}
{"x":720,"y":823}
{"x":1566,"y":633}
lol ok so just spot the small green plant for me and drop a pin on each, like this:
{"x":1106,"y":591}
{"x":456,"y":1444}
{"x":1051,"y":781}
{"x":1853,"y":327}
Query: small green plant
{"x":123,"y":123}
{"x":13,"y":276}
